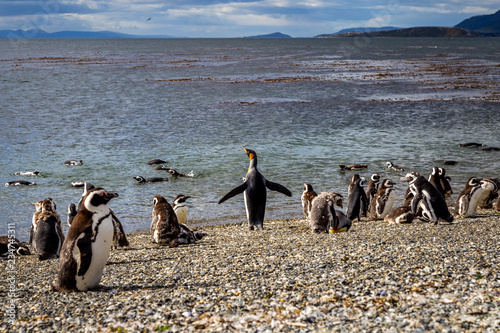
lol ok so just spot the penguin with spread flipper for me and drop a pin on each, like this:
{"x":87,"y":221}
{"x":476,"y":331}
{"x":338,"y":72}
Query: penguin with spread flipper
{"x":254,"y":189}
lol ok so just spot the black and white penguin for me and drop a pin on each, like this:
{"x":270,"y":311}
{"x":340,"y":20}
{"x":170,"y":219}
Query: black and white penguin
{"x":49,"y":237}
{"x":341,"y":224}
{"x":468,"y":200}
{"x":176,"y":174}
{"x":164,"y":224}
{"x":353,"y":167}
{"x":142,"y":180}
{"x":156,"y":161}
{"x":372,"y":188}
{"x":27,"y":173}
{"x":400,"y":215}
{"x":180,"y":208}
{"x":445,"y":182}
{"x":254,"y":188}
{"x":490,"y":149}
{"x":357,"y":203}
{"x":188,"y":235}
{"x":88,"y":243}
{"x":20,"y":183}
{"x":73,"y":162}
{"x":78,"y":183}
{"x":490,"y":192}
{"x":435,"y":180}
{"x":307,"y":197}
{"x":383,"y":200}
{"x":119,"y":236}
{"x":16,"y":247}
{"x":34,"y":223}
{"x":470,"y":144}
{"x":322,"y":215}
{"x":428,"y":199}
{"x":394,"y":167}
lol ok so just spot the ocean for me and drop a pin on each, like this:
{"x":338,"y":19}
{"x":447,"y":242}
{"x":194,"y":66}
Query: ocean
{"x":304,"y":105}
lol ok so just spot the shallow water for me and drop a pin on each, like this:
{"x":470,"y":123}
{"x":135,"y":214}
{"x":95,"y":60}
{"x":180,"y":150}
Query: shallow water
{"x":305,"y":105}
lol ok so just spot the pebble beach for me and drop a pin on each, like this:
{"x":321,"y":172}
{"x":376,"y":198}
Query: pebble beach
{"x":377,"y":277}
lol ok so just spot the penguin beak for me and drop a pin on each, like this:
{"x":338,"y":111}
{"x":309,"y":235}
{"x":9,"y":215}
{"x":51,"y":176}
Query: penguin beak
{"x":109,"y":195}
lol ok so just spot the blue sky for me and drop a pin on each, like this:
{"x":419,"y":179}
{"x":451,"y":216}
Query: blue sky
{"x":234,"y":18}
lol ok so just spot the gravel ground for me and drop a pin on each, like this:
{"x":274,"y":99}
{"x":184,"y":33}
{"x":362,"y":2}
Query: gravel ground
{"x":376,"y":277}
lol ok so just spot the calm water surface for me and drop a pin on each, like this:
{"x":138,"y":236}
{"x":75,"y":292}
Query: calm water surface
{"x":305,"y":105}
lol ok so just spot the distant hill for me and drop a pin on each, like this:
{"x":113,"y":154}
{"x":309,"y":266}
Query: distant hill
{"x":414,"y":32}
{"x":486,"y":24}
{"x":273,"y":35}
{"x":360,"y":29}
{"x":38,"y":33}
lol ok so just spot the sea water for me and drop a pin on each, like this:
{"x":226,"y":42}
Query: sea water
{"x":304,"y":105}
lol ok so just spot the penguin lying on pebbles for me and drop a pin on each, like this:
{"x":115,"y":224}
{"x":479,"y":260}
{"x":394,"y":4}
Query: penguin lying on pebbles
{"x":400,"y":215}
{"x":254,"y":189}
{"x":16,"y":247}
{"x":323,"y":216}
{"x":87,"y":245}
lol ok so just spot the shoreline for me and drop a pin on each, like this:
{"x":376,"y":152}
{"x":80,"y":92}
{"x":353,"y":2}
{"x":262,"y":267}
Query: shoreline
{"x":382,"y":276}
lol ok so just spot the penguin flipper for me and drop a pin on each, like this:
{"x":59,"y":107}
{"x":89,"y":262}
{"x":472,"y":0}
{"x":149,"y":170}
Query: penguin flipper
{"x":414,"y":203}
{"x":84,"y":245}
{"x":233,"y":192}
{"x":277,"y":187}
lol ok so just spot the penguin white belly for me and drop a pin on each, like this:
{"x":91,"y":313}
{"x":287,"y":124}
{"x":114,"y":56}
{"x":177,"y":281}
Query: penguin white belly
{"x":181,"y":213}
{"x":100,"y":253}
{"x":473,"y":202}
{"x":388,"y":205}
{"x":427,"y":209}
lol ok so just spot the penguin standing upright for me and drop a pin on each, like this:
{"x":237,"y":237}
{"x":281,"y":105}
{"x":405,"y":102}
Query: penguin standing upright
{"x":88,"y":243}
{"x":180,"y":208}
{"x":255,"y":193}
{"x":357,"y":204}
{"x":383,"y":200}
{"x":307,"y":197}
{"x":34,"y":223}
{"x":490,"y":195}
{"x":372,"y":188}
{"x":49,"y":237}
{"x":428,"y":199}
{"x":468,"y":200}
{"x":435,"y":180}
{"x":164,"y":225}
{"x":445,"y":183}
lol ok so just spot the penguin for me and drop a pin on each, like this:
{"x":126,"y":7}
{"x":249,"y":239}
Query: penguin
{"x":394,"y":167}
{"x":468,"y":200}
{"x":450,"y":162}
{"x":73,"y":162}
{"x":34,"y":223}
{"x":10,"y":246}
{"x":342,"y":223}
{"x":490,"y":192}
{"x":49,"y":237}
{"x":142,"y":180}
{"x":307,"y":197}
{"x":254,"y":189}
{"x":353,"y":167}
{"x":87,"y":245}
{"x":78,"y":183}
{"x":174,"y":173}
{"x":470,"y":144}
{"x":20,"y":183}
{"x":180,"y":208}
{"x":119,"y":236}
{"x":383,"y":200}
{"x":164,"y":224}
{"x":445,"y":183}
{"x":322,"y":215}
{"x":27,"y":173}
{"x":188,"y":235}
{"x":357,"y":204}
{"x":372,"y":188}
{"x":428,"y":199}
{"x":490,"y":149}
{"x":435,"y":180}
{"x":400,"y":215}
{"x":156,"y":161}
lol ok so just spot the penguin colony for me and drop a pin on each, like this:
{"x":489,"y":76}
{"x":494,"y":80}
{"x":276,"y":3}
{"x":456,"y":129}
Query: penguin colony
{"x":94,"y":229}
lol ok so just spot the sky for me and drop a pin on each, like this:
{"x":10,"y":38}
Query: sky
{"x":234,"y":18}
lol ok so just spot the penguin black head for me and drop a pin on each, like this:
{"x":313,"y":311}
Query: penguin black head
{"x":308,"y":187}
{"x":473,"y":181}
{"x":159,"y":199}
{"x":48,"y":205}
{"x":387,"y":183}
{"x":181,"y":198}
{"x":411,"y":176}
{"x":140,"y":179}
{"x":250,"y":153}
{"x":375,"y":177}
{"x":97,"y":197}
